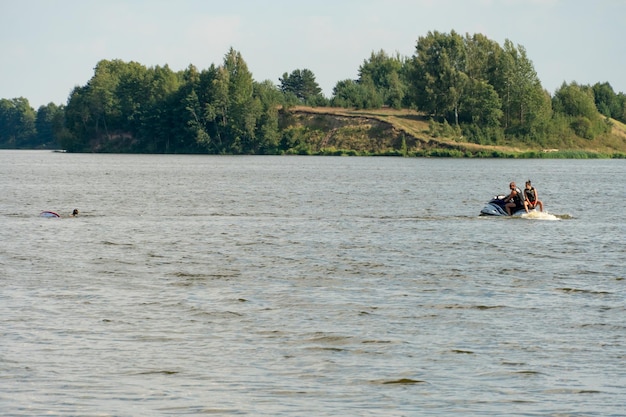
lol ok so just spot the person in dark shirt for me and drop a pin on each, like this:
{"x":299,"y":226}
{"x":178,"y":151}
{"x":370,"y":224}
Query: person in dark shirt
{"x":532,"y":197}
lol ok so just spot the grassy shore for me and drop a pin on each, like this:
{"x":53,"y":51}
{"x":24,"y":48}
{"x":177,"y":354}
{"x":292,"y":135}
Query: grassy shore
{"x":329,"y":130}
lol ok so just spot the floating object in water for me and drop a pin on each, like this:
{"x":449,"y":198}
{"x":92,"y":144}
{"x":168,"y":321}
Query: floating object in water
{"x":49,"y":214}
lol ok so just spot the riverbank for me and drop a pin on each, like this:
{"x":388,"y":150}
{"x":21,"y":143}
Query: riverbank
{"x":340,"y":131}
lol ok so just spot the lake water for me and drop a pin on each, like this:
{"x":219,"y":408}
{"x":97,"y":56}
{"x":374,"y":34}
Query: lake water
{"x":309,"y":286}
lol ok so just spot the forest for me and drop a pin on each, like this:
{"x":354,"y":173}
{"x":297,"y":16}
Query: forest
{"x":468,"y":87}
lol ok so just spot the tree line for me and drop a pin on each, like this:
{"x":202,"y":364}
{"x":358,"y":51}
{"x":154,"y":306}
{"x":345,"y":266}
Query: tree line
{"x":470,"y":87}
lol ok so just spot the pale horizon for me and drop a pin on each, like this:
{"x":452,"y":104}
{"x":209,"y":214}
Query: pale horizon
{"x":48,"y":48}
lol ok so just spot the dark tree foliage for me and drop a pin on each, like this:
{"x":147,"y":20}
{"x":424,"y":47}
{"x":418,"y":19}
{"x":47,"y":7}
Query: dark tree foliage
{"x":473,"y":80}
{"x":621,"y":114}
{"x":128,"y":107}
{"x":17,"y":124}
{"x":576,"y":104}
{"x":49,"y":124}
{"x":386,"y":75}
{"x":267,"y":132}
{"x":381,"y":82}
{"x":302,"y":85}
{"x":469,"y":86}
{"x":607,"y":102}
{"x":575,"y":100}
{"x":438,"y":79}
{"x":361,"y":94}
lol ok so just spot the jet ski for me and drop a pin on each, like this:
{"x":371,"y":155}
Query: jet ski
{"x":495,"y":207}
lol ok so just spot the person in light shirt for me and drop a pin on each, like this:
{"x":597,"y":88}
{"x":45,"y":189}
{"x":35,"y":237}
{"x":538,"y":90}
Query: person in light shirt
{"x":515,"y":200}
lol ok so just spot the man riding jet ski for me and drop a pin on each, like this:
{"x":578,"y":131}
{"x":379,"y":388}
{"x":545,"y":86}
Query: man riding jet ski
{"x":510,"y":205}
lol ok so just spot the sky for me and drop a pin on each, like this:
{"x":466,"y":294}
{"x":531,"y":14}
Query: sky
{"x":47,"y":47}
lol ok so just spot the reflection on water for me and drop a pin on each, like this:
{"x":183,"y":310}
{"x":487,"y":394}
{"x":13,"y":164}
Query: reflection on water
{"x":307,"y":286}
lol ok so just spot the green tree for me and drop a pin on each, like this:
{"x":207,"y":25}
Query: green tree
{"x":361,"y":94}
{"x":482,"y":105}
{"x":156,"y":122}
{"x":520,"y":88}
{"x":573,"y":100}
{"x":17,"y":123}
{"x":244,"y":110}
{"x":482,"y":58}
{"x":396,"y":90}
{"x":268,"y":133}
{"x":621,"y":112}
{"x":457,"y":82}
{"x":606,"y":100}
{"x":103,"y":101}
{"x":232,"y":105}
{"x":302,"y":84}
{"x":133,"y":92}
{"x":345,"y":94}
{"x":577,"y":103}
{"x":437,"y":80}
{"x":47,"y":125}
{"x":116,"y":109}
{"x":79,"y":123}
{"x":183,"y":121}
{"x":386,"y":74}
